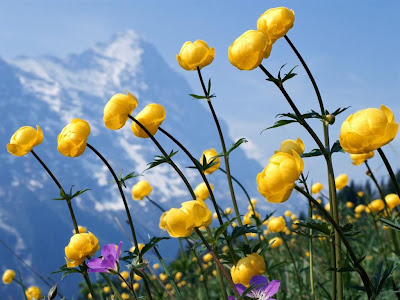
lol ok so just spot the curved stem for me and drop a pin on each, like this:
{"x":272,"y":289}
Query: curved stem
{"x":356,"y":261}
{"x":165,"y":155}
{"x":390,"y":170}
{"x":128,"y":285}
{"x":109,"y":282}
{"x":296,"y":270}
{"x":71,"y":211}
{"x":226,"y":157}
{"x":89,"y":284}
{"x":21,"y":283}
{"x":155,"y":204}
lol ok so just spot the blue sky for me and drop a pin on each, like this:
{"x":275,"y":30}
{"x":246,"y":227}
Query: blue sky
{"x":352,"y":48}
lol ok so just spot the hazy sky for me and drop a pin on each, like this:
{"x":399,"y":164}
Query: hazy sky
{"x":352,"y":48}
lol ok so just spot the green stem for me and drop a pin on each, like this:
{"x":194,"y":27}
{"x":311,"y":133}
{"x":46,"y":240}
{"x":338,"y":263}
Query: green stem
{"x":155,"y":204}
{"x":226,"y":156}
{"x":21,"y":283}
{"x":109,"y":282}
{"x":296,"y":270}
{"x":171,"y":162}
{"x":183,"y":255}
{"x":71,"y":211}
{"x":129,"y":285}
{"x":390,"y":170}
{"x":89,"y":284}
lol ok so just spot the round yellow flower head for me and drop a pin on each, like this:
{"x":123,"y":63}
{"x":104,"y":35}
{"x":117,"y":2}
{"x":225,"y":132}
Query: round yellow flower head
{"x":150,"y":117}
{"x":178,"y":276}
{"x":210,"y":154}
{"x":341,"y":181}
{"x":81,"y":229}
{"x":248,"y":50}
{"x":316,"y":187}
{"x":228,"y":211}
{"x":287,"y":213}
{"x":376,"y":205}
{"x":358,"y":159}
{"x":349,"y":204}
{"x":80,"y":246}
{"x":125,"y":274}
{"x":359,"y":208}
{"x":288,"y":145}
{"x":163,"y":276}
{"x":106,"y":289}
{"x":360,"y":194}
{"x":72,"y":139}
{"x":276,"y":22}
{"x":247,"y":267}
{"x":368,"y":130}
{"x":193,"y":55}
{"x":207,"y":257}
{"x":141,"y":189}
{"x":178,"y":223}
{"x":276,"y":224}
{"x":392,"y":200}
{"x":247,"y":217}
{"x":156,"y":266}
{"x":199,"y":213}
{"x":125,"y":296}
{"x":275,"y":242}
{"x":163,"y":221}
{"x":276,"y":181}
{"x":8,"y":276}
{"x":201,"y":191}
{"x":33,"y":292}
{"x":136,"y":286}
{"x":24,"y":139}
{"x":327,"y":207}
{"x":140,"y":246}
{"x":117,"y":109}
{"x":137,"y":277}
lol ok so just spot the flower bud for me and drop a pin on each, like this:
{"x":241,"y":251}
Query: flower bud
{"x":196,"y":54}
{"x":52,"y":294}
{"x":276,"y":22}
{"x":316,"y":188}
{"x":248,"y":50}
{"x":24,"y":139}
{"x":80,"y":246}
{"x":276,"y":224}
{"x":392,"y":200}
{"x":359,"y":208}
{"x":247,"y":267}
{"x":150,"y":117}
{"x":209,"y":155}
{"x":8,"y":276}
{"x":141,"y":189}
{"x":117,"y":109}
{"x":341,"y":181}
{"x":72,"y":139}
{"x":368,"y":130}
{"x":275,"y":242}
{"x":330,"y":119}
{"x":201,"y":191}
{"x":33,"y":292}
{"x":288,"y":145}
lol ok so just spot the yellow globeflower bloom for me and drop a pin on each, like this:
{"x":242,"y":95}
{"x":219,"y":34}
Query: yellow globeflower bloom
{"x":360,"y":194}
{"x":276,"y":181}
{"x":106,"y":289}
{"x":8,"y":276}
{"x":248,"y":50}
{"x":276,"y":224}
{"x":327,"y":207}
{"x":288,"y":145}
{"x":357,"y":216}
{"x":247,"y":217}
{"x":89,"y":296}
{"x":80,"y":246}
{"x":349,"y":204}
{"x":392,"y":200}
{"x":247,"y":267}
{"x":201,"y":191}
{"x":196,"y":54}
{"x":141,"y":189}
{"x":156,"y":266}
{"x":316,"y":187}
{"x":81,"y":229}
{"x":376,"y":205}
{"x":359,"y":208}
{"x":178,"y":276}
{"x":178,"y":223}
{"x":358,"y":159}
{"x":136,"y":277}
{"x":124,"y":285}
{"x":163,"y":221}
{"x":215,"y":215}
{"x":207,"y":257}
{"x":198,"y":211}
{"x":24,"y":139}
{"x":150,"y":117}
{"x":163,"y":276}
{"x":33,"y":292}
{"x":275,"y":242}
{"x":253,"y":201}
{"x":209,"y":154}
{"x":125,"y":274}
{"x":368,"y":130}
{"x":124,"y":296}
{"x":276,"y":22}
{"x":117,"y":109}
{"x":72,"y":139}
{"x":341,"y":181}
{"x":140,"y":246}
{"x":136,"y":286}
{"x":228,"y":211}
{"x":287,"y":213}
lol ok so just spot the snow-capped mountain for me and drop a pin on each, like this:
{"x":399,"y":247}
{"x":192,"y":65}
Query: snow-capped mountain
{"x":49,"y":92}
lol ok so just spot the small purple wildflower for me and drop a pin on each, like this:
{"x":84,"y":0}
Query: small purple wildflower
{"x":109,"y":261}
{"x":262,"y":291}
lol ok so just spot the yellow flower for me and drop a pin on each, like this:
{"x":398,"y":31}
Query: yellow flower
{"x":228,"y":211}
{"x":124,"y":285}
{"x":349,"y":204}
{"x":247,"y":267}
{"x":201,"y":191}
{"x":253,"y":201}
{"x":178,"y":223}
{"x":287,"y":213}
{"x":247,"y":217}
{"x":209,"y":155}
{"x":327,"y":207}
{"x":136,"y":277}
{"x":24,"y":139}
{"x":8,"y":276}
{"x":124,"y":274}
{"x":248,"y":50}
{"x":163,"y":221}
{"x":89,"y":296}
{"x":163,"y":276}
{"x":276,"y":224}
{"x":106,"y":289}
{"x":359,"y":208}
{"x":178,"y":276}
{"x":140,"y":246}
{"x":156,"y":266}
{"x":368,"y":130}
{"x":81,"y":229}
{"x":80,"y":246}
{"x":376,"y":205}
{"x":358,"y":159}
{"x":275,"y":242}
{"x":150,"y":117}
{"x":316,"y":187}
{"x":141,"y":189}
{"x":33,"y":292}
{"x":193,"y":55}
{"x":72,"y":139}
{"x":276,"y":181}
{"x":124,"y":295}
{"x":392,"y":200}
{"x":341,"y":181}
{"x":198,"y":211}
{"x":360,"y":194}
{"x":117,"y":109}
{"x":135,"y":286}
{"x":288,"y":145}
{"x":276,"y":22}
{"x":207,"y":257}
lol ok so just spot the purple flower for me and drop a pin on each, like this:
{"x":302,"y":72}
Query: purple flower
{"x":109,"y":261}
{"x":262,"y":291}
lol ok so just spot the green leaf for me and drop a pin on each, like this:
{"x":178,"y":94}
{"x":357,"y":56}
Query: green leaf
{"x":395,"y":225}
{"x":209,"y":87}
{"x":338,"y":111}
{"x":159,"y":159}
{"x":66,"y":271}
{"x":279,"y":123}
{"x":236,"y":145}
{"x":317,"y":225}
{"x":314,"y":152}
{"x":289,"y":75}
{"x":336,"y":147}
{"x":241,"y":230}
{"x":198,"y":96}
{"x":153,"y":241}
{"x":218,"y":231}
{"x":69,"y":196}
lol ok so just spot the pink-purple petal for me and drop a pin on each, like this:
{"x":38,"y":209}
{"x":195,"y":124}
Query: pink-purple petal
{"x":108,"y":249}
{"x":240,"y":288}
{"x":259,"y":281}
{"x":118,"y":251}
{"x":272,"y":288}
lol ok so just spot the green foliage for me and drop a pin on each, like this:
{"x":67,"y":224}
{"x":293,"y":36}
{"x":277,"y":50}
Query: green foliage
{"x":69,"y":196}
{"x":160,"y":159}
